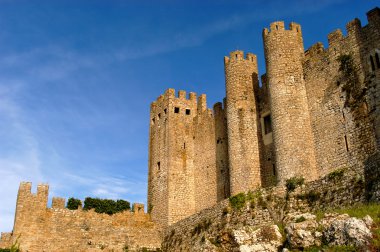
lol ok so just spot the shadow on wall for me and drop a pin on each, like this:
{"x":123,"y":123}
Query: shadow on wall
{"x":372,"y":177}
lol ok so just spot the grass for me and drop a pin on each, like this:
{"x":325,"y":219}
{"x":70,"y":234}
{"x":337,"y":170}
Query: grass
{"x":360,"y":211}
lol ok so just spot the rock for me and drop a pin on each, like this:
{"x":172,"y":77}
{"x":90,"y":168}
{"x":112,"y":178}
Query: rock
{"x":368,"y":221}
{"x":301,"y":233}
{"x":346,"y":231}
{"x":267,"y":238}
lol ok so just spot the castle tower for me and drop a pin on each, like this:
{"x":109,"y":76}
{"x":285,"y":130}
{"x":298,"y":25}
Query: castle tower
{"x":171,"y":156}
{"x":292,"y":134}
{"x":243,"y":147}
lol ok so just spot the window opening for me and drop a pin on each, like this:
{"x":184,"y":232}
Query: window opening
{"x":236,"y":56}
{"x":184,"y":145}
{"x":274,"y":169}
{"x":267,"y":124}
{"x":176,"y":110}
{"x":377,"y":60}
{"x":165,"y":111}
{"x":276,"y":27}
{"x":187,"y":111}
{"x":153,"y":120}
{"x":159,"y":115}
{"x":159,"y":165}
{"x":372,"y":63}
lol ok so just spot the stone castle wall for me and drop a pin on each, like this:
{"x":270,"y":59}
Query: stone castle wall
{"x":315,"y":112}
{"x":242,"y":121}
{"x":213,"y":229}
{"x":342,"y":105}
{"x":188,"y":148}
{"x":292,"y":134}
{"x":38,"y":228}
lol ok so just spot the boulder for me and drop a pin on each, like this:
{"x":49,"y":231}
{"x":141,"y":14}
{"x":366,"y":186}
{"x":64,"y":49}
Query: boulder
{"x":267,"y":238}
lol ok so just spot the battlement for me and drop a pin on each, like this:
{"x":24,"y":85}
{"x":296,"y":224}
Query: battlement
{"x":279,"y":26}
{"x":373,"y":16}
{"x":58,"y":203}
{"x":182,"y":104}
{"x":238,"y":56}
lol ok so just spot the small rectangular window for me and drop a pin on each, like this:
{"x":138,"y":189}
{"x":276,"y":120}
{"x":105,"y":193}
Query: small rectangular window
{"x":158,"y":165}
{"x":267,"y":124}
{"x":176,"y":110}
{"x":187,"y":111}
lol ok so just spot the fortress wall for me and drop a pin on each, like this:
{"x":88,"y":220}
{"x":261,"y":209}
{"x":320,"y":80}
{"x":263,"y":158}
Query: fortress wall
{"x":342,"y":130}
{"x":370,"y":62}
{"x":242,"y":121}
{"x":180,"y":154}
{"x":213,"y":227}
{"x":268,"y":165}
{"x":292,"y":134}
{"x":158,"y":158}
{"x":39,"y":228}
{"x":221,"y":140}
{"x":205,"y":171}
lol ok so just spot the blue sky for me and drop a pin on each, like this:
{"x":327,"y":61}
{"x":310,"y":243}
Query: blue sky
{"x":77,"y":78}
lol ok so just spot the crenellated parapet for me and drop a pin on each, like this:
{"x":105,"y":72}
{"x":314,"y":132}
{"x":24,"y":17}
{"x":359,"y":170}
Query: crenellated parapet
{"x":34,"y":223}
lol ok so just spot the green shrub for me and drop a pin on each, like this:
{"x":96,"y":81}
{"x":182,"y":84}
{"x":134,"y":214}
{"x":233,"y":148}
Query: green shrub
{"x":293,"y":183}
{"x":106,"y":205}
{"x":300,"y":219}
{"x":335,"y":175}
{"x":238,"y":201}
{"x":73,"y":203}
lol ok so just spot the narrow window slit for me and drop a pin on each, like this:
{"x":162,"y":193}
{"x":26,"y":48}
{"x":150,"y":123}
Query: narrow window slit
{"x":159,"y":165}
{"x":372,"y":63}
{"x":345,"y":140}
{"x":377,"y":60}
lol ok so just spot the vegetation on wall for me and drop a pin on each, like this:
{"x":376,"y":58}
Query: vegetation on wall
{"x":292,"y":183}
{"x":107,"y":206}
{"x":73,"y":203}
{"x":349,"y":80}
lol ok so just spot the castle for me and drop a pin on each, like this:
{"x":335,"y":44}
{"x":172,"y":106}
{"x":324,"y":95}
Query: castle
{"x":316,"y":111}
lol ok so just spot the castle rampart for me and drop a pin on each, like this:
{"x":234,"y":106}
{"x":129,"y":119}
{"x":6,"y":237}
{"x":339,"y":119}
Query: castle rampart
{"x":38,"y":228}
{"x":317,"y":111}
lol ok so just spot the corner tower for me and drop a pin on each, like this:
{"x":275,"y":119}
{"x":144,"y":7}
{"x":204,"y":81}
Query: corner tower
{"x":171,"y":154}
{"x":243,"y":147}
{"x":292,"y":133}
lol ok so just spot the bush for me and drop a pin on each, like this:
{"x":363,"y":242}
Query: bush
{"x":300,"y":219}
{"x":106,"y":205}
{"x":335,"y":175}
{"x":293,"y":183}
{"x":73,"y":203}
{"x":238,"y":201}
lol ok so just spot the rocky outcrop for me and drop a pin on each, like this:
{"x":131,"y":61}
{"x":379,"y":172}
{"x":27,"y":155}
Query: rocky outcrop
{"x":304,"y":231}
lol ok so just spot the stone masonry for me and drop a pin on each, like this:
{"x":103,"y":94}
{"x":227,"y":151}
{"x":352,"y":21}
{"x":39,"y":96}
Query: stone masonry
{"x":316,"y":111}
{"x":38,"y":228}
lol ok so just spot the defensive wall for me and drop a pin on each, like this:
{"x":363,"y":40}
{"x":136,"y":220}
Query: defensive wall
{"x":316,"y":111}
{"x":38,"y":228}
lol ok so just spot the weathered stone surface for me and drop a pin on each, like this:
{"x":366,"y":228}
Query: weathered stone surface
{"x":301,"y":231}
{"x":267,"y":238}
{"x":343,"y":230}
